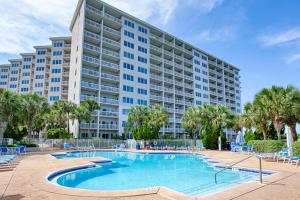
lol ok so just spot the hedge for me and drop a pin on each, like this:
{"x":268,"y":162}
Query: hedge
{"x":296,"y":148}
{"x":267,"y":146}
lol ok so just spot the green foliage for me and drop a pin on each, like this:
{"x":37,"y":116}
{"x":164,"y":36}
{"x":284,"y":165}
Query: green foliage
{"x":167,"y":137}
{"x":267,"y":146}
{"x":249,"y":135}
{"x":210,"y":138}
{"x":16,"y":133}
{"x":191,"y":121}
{"x":144,"y":122}
{"x":58,"y":133}
{"x":296,"y":148}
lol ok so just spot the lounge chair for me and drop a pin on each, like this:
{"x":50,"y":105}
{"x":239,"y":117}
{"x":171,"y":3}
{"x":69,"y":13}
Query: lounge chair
{"x":4,"y":150}
{"x":7,"y":160}
{"x":295,"y":159}
{"x":20,"y":149}
{"x":281,"y":154}
{"x":200,"y":146}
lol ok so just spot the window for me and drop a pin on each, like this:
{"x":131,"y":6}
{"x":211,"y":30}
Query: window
{"x":57,"y":53}
{"x":142,"y":59}
{"x":198,"y":86}
{"x":129,"y":34}
{"x":197,"y":70}
{"x":3,"y":76}
{"x":54,"y":89}
{"x":205,"y":88}
{"x":40,"y":68}
{"x":124,"y":123}
{"x":128,"y":77}
{"x":40,"y":60}
{"x":142,"y":49}
{"x":128,"y":44}
{"x":41,"y":52}
{"x":197,"y":78}
{"x":13,"y":79}
{"x":14,"y":72}
{"x":54,"y":98}
{"x":56,"y":70}
{"x":57,"y":44}
{"x":142,"y":39}
{"x":4,"y":70}
{"x":199,"y":103}
{"x":142,"y":80}
{"x":38,"y":84}
{"x":142,"y":29}
{"x":128,"y":55}
{"x":142,"y":70}
{"x":129,"y":23}
{"x":128,"y":66}
{"x":39,"y":93}
{"x":198,"y":94}
{"x":55,"y":80}
{"x":26,"y":73}
{"x":27,"y":59}
{"x":197,"y":62}
{"x":125,"y":111}
{"x":142,"y":102}
{"x":26,"y":66}
{"x":128,"y":100}
{"x":13,"y":86}
{"x":205,"y":73}
{"x":196,"y":54}
{"x":56,"y":62}
{"x":142,"y":91}
{"x":205,"y":96}
{"x":204,"y":65}
{"x":204,"y":58}
{"x":3,"y":83}
{"x":39,"y":76}
{"x":15,"y":65}
{"x":127,"y":88}
{"x":205,"y":80}
{"x":24,"y":89}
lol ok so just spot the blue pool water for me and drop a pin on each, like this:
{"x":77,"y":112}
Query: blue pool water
{"x":186,"y":173}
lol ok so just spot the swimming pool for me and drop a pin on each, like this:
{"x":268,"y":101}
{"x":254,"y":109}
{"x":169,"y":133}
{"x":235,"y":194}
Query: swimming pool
{"x":186,"y":173}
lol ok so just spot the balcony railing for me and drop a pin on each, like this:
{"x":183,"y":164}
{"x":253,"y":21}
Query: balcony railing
{"x":110,"y":65}
{"x":156,"y":37}
{"x":91,"y":60}
{"x":84,"y":96}
{"x":90,"y":72}
{"x":109,"y":113}
{"x":92,"y":23}
{"x":156,"y":77}
{"x":94,"y":10}
{"x":159,"y":59}
{"x":113,"y":31}
{"x":110,"y":53}
{"x":112,"y":18}
{"x":156,"y":87}
{"x":89,"y":85}
{"x":109,"y":101}
{"x":109,"y":89}
{"x":110,"y":76}
{"x":158,"y":68}
{"x":109,"y":126}
{"x":92,"y":35}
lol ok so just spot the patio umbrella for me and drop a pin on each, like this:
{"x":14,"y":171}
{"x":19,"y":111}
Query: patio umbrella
{"x":240,"y":138}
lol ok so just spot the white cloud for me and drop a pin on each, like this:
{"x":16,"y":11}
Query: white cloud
{"x":25,"y":23}
{"x":280,"y":38}
{"x":293,"y":58}
{"x":224,"y":33}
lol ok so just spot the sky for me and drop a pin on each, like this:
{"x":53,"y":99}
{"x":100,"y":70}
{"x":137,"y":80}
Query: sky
{"x":262,"y":38}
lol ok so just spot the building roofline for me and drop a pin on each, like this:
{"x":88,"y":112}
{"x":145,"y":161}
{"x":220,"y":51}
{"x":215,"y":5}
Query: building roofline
{"x":79,"y":4}
{"x":15,"y":60}
{"x":42,"y":46}
{"x":27,"y":54}
{"x":60,"y":38}
{"x":4,"y":65}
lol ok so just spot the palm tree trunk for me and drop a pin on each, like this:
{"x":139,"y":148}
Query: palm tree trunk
{"x":79,"y":136}
{"x":89,"y":129}
{"x":29,"y":128}
{"x":292,"y":126}
{"x":265,"y":135}
{"x":68,"y":123}
{"x":3,"y":126}
{"x":278,"y":133}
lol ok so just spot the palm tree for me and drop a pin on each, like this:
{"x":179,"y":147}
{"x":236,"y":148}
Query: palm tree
{"x":158,"y":117}
{"x":80,"y":114}
{"x":91,"y":105}
{"x":191,"y":121}
{"x":246,"y":118}
{"x":33,"y":105}
{"x":64,"y":108}
{"x":9,"y":109}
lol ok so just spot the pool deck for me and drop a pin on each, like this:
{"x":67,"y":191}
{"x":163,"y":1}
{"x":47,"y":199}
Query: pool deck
{"x":28,"y":181}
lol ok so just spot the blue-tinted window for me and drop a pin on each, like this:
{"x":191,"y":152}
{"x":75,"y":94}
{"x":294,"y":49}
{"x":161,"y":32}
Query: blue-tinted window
{"x":142,"y":91}
{"x":26,"y":66}
{"x":57,"y":53}
{"x":127,"y":88}
{"x":196,"y":54}
{"x":24,"y":89}
{"x":197,"y":78}
{"x":128,"y":44}
{"x":55,"y":80}
{"x":142,"y":80}
{"x":128,"y":100}
{"x":13,"y":86}
{"x":205,"y":80}
{"x":26,"y":74}
{"x":129,"y":23}
{"x":41,"y":52}
{"x":25,"y":81}
{"x":14,"y":72}
{"x":54,"y":98}
{"x":197,"y":62}
{"x":142,"y":70}
{"x":128,"y":77}
{"x":57,"y":44}
{"x":13,"y":79}
{"x":27,"y":59}
{"x":142,"y":29}
{"x":56,"y":70}
{"x":39,"y":76}
{"x":125,"y":111}
{"x":40,"y":68}
{"x":128,"y":66}
{"x":128,"y":55}
{"x":204,"y":57}
{"x":142,"y":39}
{"x":3,"y":76}
{"x":56,"y":62}
{"x":205,"y":88}
{"x":198,"y":86}
{"x":142,"y":49}
{"x":38,"y":84}
{"x":142,"y":102}
{"x":54,"y":89}
{"x":142,"y":59}
{"x":129,"y":34}
{"x":40,"y":60}
{"x":204,"y":65}
{"x":198,"y":94}
{"x":199,"y":103}
{"x":3,"y":83}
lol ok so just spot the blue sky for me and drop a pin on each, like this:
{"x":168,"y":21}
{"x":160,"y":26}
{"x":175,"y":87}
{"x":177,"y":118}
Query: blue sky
{"x":262,"y":38}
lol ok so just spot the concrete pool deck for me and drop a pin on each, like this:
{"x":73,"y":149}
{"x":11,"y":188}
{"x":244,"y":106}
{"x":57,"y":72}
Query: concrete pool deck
{"x":28,"y":181}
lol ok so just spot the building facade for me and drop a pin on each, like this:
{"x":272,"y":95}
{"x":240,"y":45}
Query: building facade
{"x":45,"y":72}
{"x":121,"y":61}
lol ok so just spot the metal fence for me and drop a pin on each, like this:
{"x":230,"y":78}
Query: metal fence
{"x":58,"y":144}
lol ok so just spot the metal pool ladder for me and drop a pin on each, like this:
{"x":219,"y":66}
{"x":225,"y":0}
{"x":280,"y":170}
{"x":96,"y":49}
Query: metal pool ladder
{"x":228,"y":167}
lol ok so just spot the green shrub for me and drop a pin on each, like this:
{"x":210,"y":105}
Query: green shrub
{"x":210,"y":138}
{"x":58,"y":133}
{"x":296,"y":148}
{"x":249,"y":135}
{"x":16,"y":133}
{"x":267,"y":146}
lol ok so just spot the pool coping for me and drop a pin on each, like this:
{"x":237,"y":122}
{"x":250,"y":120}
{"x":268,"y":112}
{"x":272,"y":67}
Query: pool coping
{"x":162,"y":190}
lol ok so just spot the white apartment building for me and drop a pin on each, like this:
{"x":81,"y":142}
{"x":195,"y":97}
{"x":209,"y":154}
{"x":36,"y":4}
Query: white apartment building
{"x":4,"y":74}
{"x":45,"y":72}
{"x":122,"y":61}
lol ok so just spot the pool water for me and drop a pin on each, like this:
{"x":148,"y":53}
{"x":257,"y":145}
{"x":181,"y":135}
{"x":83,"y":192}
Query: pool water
{"x":186,"y":173}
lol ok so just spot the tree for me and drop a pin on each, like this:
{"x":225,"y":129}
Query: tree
{"x":145,"y":122}
{"x":261,"y":119}
{"x":80,"y":114}
{"x":9,"y":109}
{"x":91,"y":105}
{"x":191,"y":121}
{"x":33,"y":105}
{"x":64,"y":108}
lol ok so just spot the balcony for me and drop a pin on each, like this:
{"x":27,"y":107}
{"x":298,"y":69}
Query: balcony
{"x":156,"y":37}
{"x":92,"y":36}
{"x":180,"y":130}
{"x":189,"y":86}
{"x":90,"y":72}
{"x":112,"y":18}
{"x":180,"y":58}
{"x":110,"y":77}
{"x":188,"y":103}
{"x":177,"y":120}
{"x":178,"y":74}
{"x":84,"y":96}
{"x":191,"y":95}
{"x":168,"y":99}
{"x":111,"y":42}
{"x":109,"y":113}
{"x":92,"y":48}
{"x":156,"y":87}
{"x":94,"y":10}
{"x":156,"y":58}
{"x":179,"y":101}
{"x":65,"y":83}
{"x":167,"y":80}
{"x":169,"y":90}
{"x":168,"y":71}
{"x":156,"y":77}
{"x":188,"y":52}
{"x":91,"y":60}
{"x":188,"y":78}
{"x":110,"y":65}
{"x":155,"y":67}
{"x":88,"y":125}
{"x":65,"y":74}
{"x":155,"y":48}
{"x":180,"y":111}
{"x":177,"y":83}
{"x":168,"y":62}
{"x":179,"y":92}
{"x":169,"y":43}
{"x":188,"y":69}
{"x":111,"y":53}
{"x":112,"y":31}
{"x":170,"y":54}
{"x":106,"y":88}
{"x":170,"y":110}
{"x":89,"y":85}
{"x":179,"y":47}
{"x":93,"y":24}
{"x":108,"y":127}
{"x":156,"y":97}
{"x":178,"y":66}
{"x":111,"y":101}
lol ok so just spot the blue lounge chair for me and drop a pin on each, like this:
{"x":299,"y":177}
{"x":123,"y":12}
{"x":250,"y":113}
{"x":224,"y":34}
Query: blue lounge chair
{"x":4,"y":150}
{"x":21,"y":149}
{"x":7,"y":160}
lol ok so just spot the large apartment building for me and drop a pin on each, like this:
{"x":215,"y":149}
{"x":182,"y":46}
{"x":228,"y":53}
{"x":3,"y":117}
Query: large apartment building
{"x":122,"y":61}
{"x":45,"y":71}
